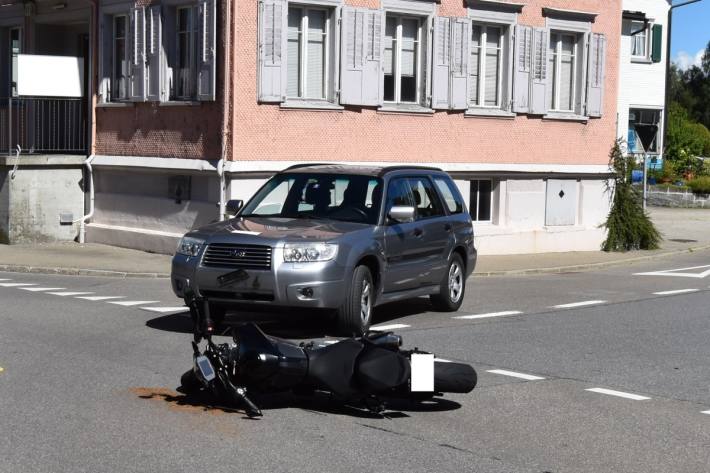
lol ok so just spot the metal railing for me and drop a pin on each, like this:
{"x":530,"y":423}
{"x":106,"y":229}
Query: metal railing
{"x":43,"y":125}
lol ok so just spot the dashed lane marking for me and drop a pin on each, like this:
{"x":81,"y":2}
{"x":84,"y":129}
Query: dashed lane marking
{"x":132,"y":303}
{"x":611,"y":392}
{"x":680,"y":272}
{"x":514,"y":374}
{"x":5,"y":279}
{"x":705,"y":412}
{"x":15,"y":284}
{"x":38,"y":289}
{"x":577,"y":304}
{"x":99,"y":298}
{"x":64,"y":294}
{"x":164,"y":310}
{"x":677,"y":291}
{"x":389,"y":327}
{"x":491,"y":314}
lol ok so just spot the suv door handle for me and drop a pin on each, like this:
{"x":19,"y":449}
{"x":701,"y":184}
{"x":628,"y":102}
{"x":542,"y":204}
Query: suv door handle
{"x":418,"y":232}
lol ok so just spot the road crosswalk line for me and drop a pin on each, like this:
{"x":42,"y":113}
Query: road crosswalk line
{"x":132,"y":303}
{"x":15,"y":284}
{"x":99,"y":298}
{"x":164,"y":310}
{"x":64,"y":294}
{"x":39,"y":289}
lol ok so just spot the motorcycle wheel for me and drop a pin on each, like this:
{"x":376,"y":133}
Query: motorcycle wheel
{"x":454,"y":377}
{"x":189,"y":382}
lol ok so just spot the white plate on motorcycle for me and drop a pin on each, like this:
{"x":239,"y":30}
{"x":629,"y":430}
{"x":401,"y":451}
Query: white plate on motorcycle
{"x":205,"y":367}
{"x":422,"y":372}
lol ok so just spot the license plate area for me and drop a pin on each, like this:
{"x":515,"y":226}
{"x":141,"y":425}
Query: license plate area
{"x":422,"y":369}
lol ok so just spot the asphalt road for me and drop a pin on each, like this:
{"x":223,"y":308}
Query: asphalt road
{"x":88,"y":381}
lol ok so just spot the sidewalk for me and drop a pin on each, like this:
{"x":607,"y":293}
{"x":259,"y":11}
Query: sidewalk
{"x":683,"y":230}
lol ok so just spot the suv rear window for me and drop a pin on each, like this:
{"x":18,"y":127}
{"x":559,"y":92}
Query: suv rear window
{"x":451,"y":195}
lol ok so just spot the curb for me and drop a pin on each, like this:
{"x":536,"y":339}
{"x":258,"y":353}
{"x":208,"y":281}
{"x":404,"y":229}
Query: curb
{"x":588,"y":266}
{"x":13,"y":268}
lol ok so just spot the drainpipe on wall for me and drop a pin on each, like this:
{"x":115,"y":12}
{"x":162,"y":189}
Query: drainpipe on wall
{"x":82,"y":220}
{"x":226,"y":75}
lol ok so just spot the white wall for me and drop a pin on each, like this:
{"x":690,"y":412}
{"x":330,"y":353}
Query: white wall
{"x":641,"y":85}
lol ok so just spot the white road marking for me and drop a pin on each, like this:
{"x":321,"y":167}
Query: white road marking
{"x":611,"y":392}
{"x":5,"y":279}
{"x":99,"y":298}
{"x":577,"y":304}
{"x":679,"y":273}
{"x":442,"y":360}
{"x":163,"y":310}
{"x":677,"y":291}
{"x":329,"y":342}
{"x":15,"y":284}
{"x":64,"y":294}
{"x":485,"y":316}
{"x":705,"y":412}
{"x":132,"y":303}
{"x":389,"y":327}
{"x":513,"y":374}
{"x":38,"y":289}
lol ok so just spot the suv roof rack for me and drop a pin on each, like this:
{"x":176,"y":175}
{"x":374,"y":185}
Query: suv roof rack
{"x":305,"y":165}
{"x":387,"y":169}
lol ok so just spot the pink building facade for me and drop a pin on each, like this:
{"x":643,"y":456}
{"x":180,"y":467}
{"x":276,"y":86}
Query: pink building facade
{"x":197,"y":102}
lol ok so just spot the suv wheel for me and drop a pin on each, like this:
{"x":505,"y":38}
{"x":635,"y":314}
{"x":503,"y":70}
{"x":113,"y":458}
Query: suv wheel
{"x":354,"y":316}
{"x":452,"y":288}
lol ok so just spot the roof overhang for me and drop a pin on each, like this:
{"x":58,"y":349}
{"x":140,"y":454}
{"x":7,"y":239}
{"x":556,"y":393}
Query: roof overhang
{"x":498,"y":5}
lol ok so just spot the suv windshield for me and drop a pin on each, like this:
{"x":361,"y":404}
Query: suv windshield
{"x":345,"y":197}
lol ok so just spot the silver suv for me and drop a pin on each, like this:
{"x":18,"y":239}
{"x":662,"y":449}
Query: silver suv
{"x":322,"y":236}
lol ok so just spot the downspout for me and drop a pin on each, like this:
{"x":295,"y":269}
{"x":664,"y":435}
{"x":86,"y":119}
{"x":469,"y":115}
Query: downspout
{"x":82,"y":220}
{"x":226,"y":74}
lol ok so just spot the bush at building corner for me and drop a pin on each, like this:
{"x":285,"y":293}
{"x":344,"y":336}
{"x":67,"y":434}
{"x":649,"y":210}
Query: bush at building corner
{"x":700,"y":185}
{"x":628,"y":225}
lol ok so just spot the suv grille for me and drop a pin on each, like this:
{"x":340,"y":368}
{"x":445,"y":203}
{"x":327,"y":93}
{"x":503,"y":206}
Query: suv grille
{"x":227,"y":255}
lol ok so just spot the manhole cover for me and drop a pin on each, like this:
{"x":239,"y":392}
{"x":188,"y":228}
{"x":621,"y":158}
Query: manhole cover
{"x":683,"y":240}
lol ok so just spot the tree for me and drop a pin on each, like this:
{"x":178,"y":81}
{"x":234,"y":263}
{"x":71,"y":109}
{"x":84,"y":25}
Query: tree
{"x":628,"y":225}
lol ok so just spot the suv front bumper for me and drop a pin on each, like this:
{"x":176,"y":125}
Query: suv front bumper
{"x":308,"y":285}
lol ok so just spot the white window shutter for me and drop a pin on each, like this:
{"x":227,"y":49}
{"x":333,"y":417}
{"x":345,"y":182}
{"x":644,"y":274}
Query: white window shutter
{"x":105,"y":57}
{"x":153,"y":50}
{"x":539,"y":76}
{"x":441,"y":53}
{"x":272,"y":50}
{"x":596,"y":75}
{"x":207,"y":48}
{"x":522,"y":68}
{"x":460,"y":52}
{"x":137,"y":55}
{"x":361,"y":57}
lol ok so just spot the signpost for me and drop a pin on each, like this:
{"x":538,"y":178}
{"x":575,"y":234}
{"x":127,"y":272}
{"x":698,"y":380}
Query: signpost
{"x":647,"y":134}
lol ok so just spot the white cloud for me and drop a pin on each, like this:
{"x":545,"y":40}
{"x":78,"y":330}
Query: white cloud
{"x":684,"y":60}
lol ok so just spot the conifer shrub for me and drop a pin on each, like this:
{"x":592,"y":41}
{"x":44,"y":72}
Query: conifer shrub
{"x":628,"y":226}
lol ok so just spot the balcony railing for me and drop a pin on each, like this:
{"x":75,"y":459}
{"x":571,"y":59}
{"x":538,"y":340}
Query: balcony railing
{"x":43,"y":125}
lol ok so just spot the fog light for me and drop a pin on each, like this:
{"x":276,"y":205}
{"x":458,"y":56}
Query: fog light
{"x":307,"y":292}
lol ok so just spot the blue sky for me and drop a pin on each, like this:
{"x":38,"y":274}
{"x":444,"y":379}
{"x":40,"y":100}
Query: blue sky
{"x":691,"y":32}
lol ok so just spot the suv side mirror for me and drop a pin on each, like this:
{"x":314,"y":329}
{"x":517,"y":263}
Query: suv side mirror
{"x":401,"y":214}
{"x":234,"y":206}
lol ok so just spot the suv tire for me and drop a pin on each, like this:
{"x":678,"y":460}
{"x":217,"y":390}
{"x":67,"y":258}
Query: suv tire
{"x":452,"y":288}
{"x":355,"y":315}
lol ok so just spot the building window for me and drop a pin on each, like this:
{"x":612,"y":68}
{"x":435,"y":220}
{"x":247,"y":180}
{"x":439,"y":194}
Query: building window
{"x":119,"y":76}
{"x":562,"y":68}
{"x":15,"y":49}
{"x":402,"y":60}
{"x":308,"y":52}
{"x":639,"y":41}
{"x":185,"y":73}
{"x":486,"y":65}
{"x":640,"y":122}
{"x":480,"y":200}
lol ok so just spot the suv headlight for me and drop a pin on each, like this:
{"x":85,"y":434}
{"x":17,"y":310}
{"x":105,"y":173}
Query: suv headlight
{"x":305,"y":252}
{"x":190,"y":246}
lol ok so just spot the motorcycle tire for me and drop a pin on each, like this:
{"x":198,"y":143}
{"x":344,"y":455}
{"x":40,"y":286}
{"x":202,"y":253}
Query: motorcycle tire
{"x":454,"y":377}
{"x":189,"y":382}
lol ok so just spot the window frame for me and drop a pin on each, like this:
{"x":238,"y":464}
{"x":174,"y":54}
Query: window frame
{"x":12,"y":62}
{"x":192,"y":68}
{"x":477,"y":210}
{"x":633,"y":26}
{"x":303,"y":50}
{"x":555,"y":77}
{"x":124,"y":97}
{"x":483,"y":50}
{"x":419,"y":69}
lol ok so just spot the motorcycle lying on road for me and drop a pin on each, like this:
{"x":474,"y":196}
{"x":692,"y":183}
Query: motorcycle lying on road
{"x":366,"y":370}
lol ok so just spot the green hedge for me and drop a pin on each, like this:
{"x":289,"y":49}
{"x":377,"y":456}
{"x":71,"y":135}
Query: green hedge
{"x":700,"y":185}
